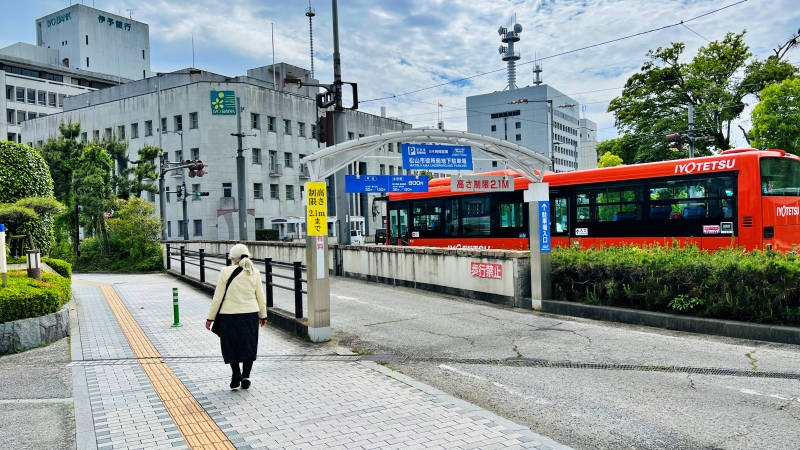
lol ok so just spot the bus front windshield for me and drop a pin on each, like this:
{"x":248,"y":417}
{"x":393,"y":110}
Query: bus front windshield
{"x":780,"y":177}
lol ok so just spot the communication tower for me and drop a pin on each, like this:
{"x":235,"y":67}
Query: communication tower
{"x":509,"y":54}
{"x":310,"y":14}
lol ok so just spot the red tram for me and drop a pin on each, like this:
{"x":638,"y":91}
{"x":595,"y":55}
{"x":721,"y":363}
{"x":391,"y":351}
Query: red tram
{"x":741,"y":197}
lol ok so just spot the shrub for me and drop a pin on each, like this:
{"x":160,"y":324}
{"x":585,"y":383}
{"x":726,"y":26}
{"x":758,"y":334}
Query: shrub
{"x":63,"y":268}
{"x":93,"y":259}
{"x":762,"y":287}
{"x":267,"y":234}
{"x":25,"y":297}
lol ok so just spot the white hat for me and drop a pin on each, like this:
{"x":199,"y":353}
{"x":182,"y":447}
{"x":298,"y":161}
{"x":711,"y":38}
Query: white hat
{"x":238,"y":250}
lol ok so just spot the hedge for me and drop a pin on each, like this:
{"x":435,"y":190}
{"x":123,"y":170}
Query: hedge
{"x":267,"y":234}
{"x":761,"y":287}
{"x":25,"y":297}
{"x":62,"y":267}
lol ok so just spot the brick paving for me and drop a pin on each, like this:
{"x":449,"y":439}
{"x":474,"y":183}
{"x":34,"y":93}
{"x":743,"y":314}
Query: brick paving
{"x":299,"y":398}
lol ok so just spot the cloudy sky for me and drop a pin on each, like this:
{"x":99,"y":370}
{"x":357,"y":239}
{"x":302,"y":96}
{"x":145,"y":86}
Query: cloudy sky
{"x":391,"y":47}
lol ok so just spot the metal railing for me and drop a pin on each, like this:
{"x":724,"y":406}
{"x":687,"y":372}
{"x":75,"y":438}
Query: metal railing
{"x":200,"y":259}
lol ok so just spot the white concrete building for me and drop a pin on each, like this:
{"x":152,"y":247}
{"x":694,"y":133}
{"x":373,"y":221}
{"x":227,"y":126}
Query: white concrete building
{"x":588,"y":149}
{"x":90,"y":39}
{"x":281,"y":128}
{"x":34,"y":84}
{"x":523,"y":116}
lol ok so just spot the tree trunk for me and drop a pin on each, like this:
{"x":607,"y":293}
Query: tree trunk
{"x":30,"y":240}
{"x":104,"y":232}
{"x":746,"y":137}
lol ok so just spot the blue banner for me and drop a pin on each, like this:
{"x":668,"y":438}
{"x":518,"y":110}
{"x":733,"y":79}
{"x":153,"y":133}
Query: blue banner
{"x":374,"y":184}
{"x":544,"y":227}
{"x":436,"y":157}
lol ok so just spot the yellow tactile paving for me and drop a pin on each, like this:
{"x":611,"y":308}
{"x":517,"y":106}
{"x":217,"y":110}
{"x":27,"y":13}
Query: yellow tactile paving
{"x":196,"y":426}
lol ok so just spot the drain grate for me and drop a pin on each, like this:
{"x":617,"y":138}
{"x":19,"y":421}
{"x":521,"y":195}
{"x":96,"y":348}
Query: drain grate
{"x":540,"y":363}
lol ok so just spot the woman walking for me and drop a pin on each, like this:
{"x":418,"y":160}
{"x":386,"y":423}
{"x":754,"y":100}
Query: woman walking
{"x":238,"y":308}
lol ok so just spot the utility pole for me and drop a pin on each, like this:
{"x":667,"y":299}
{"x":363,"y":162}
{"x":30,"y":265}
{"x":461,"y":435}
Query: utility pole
{"x":183,"y":192}
{"x":339,"y":133}
{"x":691,"y":130}
{"x":162,"y":196}
{"x":240,"y":179}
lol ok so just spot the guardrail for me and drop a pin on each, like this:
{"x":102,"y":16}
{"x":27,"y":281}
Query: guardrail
{"x":199,"y":259}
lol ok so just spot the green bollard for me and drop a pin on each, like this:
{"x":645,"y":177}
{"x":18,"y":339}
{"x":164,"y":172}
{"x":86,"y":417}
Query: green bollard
{"x":176,"y":313}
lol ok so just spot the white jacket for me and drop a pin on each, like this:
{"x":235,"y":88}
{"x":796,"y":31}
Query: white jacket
{"x":245,"y":294}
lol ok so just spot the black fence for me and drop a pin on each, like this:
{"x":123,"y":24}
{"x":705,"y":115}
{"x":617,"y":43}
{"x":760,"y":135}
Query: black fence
{"x":200,"y":259}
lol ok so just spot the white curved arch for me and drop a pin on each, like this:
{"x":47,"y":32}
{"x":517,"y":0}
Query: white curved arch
{"x":330,"y":160}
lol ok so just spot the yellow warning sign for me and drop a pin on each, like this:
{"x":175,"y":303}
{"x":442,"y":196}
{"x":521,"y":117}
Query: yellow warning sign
{"x":317,"y":215}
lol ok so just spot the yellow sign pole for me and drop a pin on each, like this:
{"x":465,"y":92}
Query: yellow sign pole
{"x":319,"y":300}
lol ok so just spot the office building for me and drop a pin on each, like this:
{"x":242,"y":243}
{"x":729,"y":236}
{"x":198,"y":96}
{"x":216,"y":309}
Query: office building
{"x":588,"y":149}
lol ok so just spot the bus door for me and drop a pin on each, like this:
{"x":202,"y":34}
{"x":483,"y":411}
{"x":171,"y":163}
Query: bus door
{"x":398,"y":223}
{"x":780,"y":190}
{"x":559,"y":216}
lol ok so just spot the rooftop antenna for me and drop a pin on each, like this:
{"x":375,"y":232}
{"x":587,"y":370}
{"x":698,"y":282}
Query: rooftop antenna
{"x":509,"y":55}
{"x":310,"y":14}
{"x":193,"y":50}
{"x":130,"y":13}
{"x":537,"y":71}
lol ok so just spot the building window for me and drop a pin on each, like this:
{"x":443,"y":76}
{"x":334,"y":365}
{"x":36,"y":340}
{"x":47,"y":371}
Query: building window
{"x":163,"y":124}
{"x":178,"y":123}
{"x":287,"y":126}
{"x":227,"y":190}
{"x":193,"y":121}
{"x":51,"y":100}
{"x":22,"y":116}
{"x":180,"y":227}
{"x":166,"y":193}
{"x":273,"y":191}
{"x":121,"y":132}
{"x":273,"y":160}
{"x":148,"y":128}
{"x":258,"y":190}
{"x":87,"y":39}
{"x":152,"y":196}
{"x":383,"y":169}
{"x":195,"y":152}
{"x":256,"y":156}
{"x":61,"y":98}
{"x":301,"y":129}
{"x":259,"y":223}
{"x":32,"y":96}
{"x":142,"y":54}
{"x":287,"y":159}
{"x":391,"y":170}
{"x":20,"y":95}
{"x":289,"y":192}
{"x":494,"y":127}
{"x":87,"y":61}
{"x":350,"y":136}
{"x":43,"y":98}
{"x":108,"y":134}
{"x":313,"y":131}
{"x":169,"y":228}
{"x":84,"y":137}
{"x":198,"y":227}
{"x":195,"y":190}
{"x":519,"y":137}
{"x":144,"y":75}
{"x":96,"y":135}
{"x":391,"y":146}
{"x":255,"y":121}
{"x":10,"y":116}
{"x":518,"y":125}
{"x":10,"y":93}
{"x":270,"y":124}
{"x":134,"y":131}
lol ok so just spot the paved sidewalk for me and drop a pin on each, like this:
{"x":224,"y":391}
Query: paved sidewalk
{"x":140,"y":383}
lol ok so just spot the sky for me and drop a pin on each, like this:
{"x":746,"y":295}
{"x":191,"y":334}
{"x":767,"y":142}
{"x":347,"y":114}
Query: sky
{"x":392,"y":47}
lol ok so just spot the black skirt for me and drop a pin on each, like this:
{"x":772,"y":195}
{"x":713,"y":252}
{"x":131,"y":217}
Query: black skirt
{"x":238,"y":337}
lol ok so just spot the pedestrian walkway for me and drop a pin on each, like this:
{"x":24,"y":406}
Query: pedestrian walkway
{"x":140,"y":384}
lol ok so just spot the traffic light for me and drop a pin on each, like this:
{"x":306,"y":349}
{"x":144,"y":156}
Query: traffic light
{"x":196,"y":168}
{"x":675,"y":141}
{"x":201,"y":194}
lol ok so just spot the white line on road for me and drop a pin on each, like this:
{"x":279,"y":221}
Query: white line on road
{"x":538,"y":401}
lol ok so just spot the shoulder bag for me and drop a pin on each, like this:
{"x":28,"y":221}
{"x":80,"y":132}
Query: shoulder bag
{"x":215,"y":326}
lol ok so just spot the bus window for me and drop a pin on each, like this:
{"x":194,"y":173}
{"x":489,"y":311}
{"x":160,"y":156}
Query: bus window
{"x":508,"y":216}
{"x":475,"y":216}
{"x":452,"y":226}
{"x":427,"y":219}
{"x":560,"y":212}
{"x":609,"y":203}
{"x":780,"y":177}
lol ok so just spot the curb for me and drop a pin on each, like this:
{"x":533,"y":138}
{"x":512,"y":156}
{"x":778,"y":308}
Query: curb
{"x":26,"y":334}
{"x":729,"y":328}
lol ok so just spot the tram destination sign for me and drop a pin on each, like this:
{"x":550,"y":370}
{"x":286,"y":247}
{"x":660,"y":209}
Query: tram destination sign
{"x":436,"y":157}
{"x":476,"y":183}
{"x":376,"y":184}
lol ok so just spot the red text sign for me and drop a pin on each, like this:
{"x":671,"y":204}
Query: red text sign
{"x":485,"y":270}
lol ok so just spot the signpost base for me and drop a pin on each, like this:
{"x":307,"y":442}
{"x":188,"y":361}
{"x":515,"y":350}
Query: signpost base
{"x":318,"y":288}
{"x":539,"y":220}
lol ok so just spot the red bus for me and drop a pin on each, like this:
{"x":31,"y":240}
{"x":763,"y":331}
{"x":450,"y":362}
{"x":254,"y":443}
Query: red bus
{"x":740,"y":197}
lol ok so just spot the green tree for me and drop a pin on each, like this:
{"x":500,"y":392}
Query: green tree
{"x":134,"y":226}
{"x":654,"y":100}
{"x":145,"y":170}
{"x":776,"y":118}
{"x":609,"y":160}
{"x":117,"y":149}
{"x":624,"y":146}
{"x":93,"y":189}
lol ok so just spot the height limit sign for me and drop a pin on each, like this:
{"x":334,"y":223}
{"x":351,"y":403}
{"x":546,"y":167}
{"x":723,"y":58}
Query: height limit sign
{"x":317,"y":216}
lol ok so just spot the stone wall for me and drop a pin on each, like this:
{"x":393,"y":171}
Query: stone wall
{"x":25,"y":334}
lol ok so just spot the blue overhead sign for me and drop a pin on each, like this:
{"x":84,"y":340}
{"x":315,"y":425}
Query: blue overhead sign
{"x":544,"y":226}
{"x":437,"y":157}
{"x":372,"y":184}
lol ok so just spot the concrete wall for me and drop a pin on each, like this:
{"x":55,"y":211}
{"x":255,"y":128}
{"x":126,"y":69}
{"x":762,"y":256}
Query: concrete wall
{"x":435,"y":269}
{"x":25,"y":334}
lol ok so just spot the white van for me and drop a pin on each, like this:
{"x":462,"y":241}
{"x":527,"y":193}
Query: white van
{"x":356,"y":237}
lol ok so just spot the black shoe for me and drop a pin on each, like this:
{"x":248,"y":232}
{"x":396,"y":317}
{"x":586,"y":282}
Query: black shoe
{"x":245,"y":383}
{"x":236,"y":379}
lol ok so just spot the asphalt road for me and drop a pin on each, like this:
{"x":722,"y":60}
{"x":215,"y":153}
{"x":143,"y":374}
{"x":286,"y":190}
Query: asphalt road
{"x":465,"y":348}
